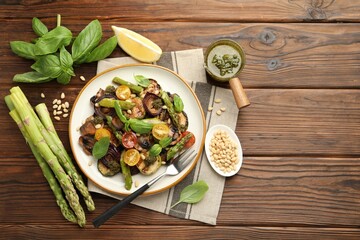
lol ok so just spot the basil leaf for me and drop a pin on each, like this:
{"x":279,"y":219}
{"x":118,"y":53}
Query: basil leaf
{"x":86,"y":41}
{"x":23,"y":49}
{"x":155,"y":150}
{"x":101,"y":147}
{"x":142,"y":81}
{"x":39,"y":28}
{"x":102,"y":51}
{"x":31,"y":77}
{"x":193,"y":193}
{"x":64,"y":78}
{"x":164,"y":142}
{"x":66,"y":60}
{"x":51,"y":41}
{"x":178,"y":103}
{"x":48,"y":65}
{"x":66,"y":63}
{"x":140,"y":126}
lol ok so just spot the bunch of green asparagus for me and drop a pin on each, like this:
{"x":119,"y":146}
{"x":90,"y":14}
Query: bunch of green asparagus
{"x":56,"y":164}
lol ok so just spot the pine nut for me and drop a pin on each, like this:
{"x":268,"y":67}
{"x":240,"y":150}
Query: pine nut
{"x":218,"y":100}
{"x":82,"y":78}
{"x":62,"y":96}
{"x":42,"y":95}
{"x":65,"y":115}
{"x":57,"y":118}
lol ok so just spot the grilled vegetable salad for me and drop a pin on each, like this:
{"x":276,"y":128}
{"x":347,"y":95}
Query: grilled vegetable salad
{"x":135,"y":128}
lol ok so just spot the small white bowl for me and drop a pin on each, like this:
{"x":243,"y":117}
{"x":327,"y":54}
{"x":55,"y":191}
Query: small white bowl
{"x":209,"y":135}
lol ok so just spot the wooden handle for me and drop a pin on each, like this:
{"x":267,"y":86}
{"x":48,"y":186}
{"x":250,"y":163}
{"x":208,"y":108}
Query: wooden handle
{"x":239,"y":93}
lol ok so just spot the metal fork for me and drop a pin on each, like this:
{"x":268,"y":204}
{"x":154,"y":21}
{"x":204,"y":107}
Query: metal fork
{"x":178,"y":164}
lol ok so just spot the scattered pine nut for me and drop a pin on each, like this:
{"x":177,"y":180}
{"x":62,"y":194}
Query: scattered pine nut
{"x":218,"y":112}
{"x":82,"y":78}
{"x":42,"y":95}
{"x":54,"y":101}
{"x":57,"y":118}
{"x":62,"y":96}
{"x":222,"y":109}
{"x":65,"y":115}
{"x":58,"y":102}
{"x":210,"y":109}
{"x":55,"y":106}
{"x":218,"y":100}
{"x":54,"y":112}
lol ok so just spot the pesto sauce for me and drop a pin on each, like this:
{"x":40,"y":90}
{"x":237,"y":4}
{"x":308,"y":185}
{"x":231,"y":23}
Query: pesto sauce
{"x":226,"y":63}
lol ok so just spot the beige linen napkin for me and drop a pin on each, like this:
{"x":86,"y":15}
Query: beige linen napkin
{"x":189,"y":65}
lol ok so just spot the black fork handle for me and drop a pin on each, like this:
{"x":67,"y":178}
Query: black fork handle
{"x":97,"y":222}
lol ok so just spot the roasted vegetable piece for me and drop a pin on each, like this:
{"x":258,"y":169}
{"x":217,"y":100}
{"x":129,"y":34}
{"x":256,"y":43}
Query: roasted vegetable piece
{"x":88,"y":128}
{"x":179,"y":119}
{"x":149,"y":165}
{"x":153,"y":104}
{"x":125,"y":169}
{"x":178,"y":146}
{"x":112,"y":159}
{"x":87,"y":143}
{"x":138,"y":111}
{"x":104,"y":170}
{"x":135,"y":88}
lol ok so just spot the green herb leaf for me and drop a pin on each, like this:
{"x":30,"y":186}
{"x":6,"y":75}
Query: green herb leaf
{"x":178,"y":103}
{"x":140,"y":126}
{"x":193,"y":193}
{"x":102,"y":51}
{"x":64,"y":78}
{"x":48,"y":65}
{"x":86,"y":41}
{"x":31,"y":77}
{"x":119,"y":112}
{"x":155,"y":150}
{"x":23,"y":49}
{"x":101,"y":147}
{"x":142,"y":81}
{"x":165,"y":142}
{"x":51,"y":41}
{"x":39,"y":27}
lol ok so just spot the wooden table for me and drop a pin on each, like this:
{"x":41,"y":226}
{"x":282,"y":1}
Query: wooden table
{"x":301,"y":134}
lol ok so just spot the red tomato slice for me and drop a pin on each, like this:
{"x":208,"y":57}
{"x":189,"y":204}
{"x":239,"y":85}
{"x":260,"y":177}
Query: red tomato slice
{"x":191,"y":141}
{"x":129,"y":140}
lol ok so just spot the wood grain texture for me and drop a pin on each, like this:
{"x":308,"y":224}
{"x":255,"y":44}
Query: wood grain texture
{"x":194,"y":11}
{"x":277,"y":55}
{"x":300,"y":177}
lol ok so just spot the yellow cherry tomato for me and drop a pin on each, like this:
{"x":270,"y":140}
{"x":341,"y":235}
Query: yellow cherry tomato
{"x":160,"y":131}
{"x":102,"y":132}
{"x":123,"y":92}
{"x":131,"y":157}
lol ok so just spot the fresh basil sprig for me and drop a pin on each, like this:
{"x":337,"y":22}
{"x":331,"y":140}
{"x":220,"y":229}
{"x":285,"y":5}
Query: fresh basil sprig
{"x":51,"y":55}
{"x":193,"y":193}
{"x":101,"y":147}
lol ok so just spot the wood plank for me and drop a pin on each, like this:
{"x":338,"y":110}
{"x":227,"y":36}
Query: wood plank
{"x":175,"y":232}
{"x":302,"y":122}
{"x":268,"y":191}
{"x":200,"y":11}
{"x":307,"y":122}
{"x":278,"y":55}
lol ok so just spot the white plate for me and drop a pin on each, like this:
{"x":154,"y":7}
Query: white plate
{"x":233,"y":138}
{"x":82,"y":109}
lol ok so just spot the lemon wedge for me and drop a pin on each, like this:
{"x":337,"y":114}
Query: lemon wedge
{"x":136,"y":45}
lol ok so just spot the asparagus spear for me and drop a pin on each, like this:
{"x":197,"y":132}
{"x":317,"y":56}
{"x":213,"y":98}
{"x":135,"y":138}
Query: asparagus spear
{"x":61,"y":153}
{"x":28,"y":120}
{"x":48,"y":174}
{"x":49,"y":133}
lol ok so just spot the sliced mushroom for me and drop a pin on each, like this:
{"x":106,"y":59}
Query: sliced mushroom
{"x":153,"y":104}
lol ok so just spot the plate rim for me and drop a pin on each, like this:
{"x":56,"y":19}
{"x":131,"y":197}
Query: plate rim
{"x":201,"y":146}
